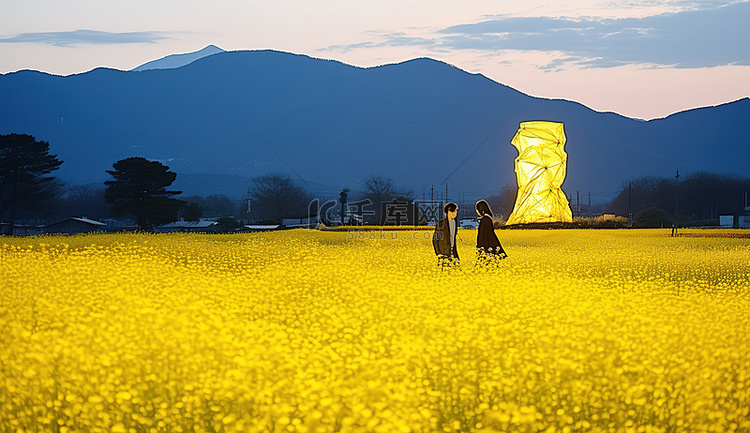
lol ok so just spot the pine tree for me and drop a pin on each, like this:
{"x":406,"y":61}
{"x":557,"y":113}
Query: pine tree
{"x":24,"y":162}
{"x":139,"y":189}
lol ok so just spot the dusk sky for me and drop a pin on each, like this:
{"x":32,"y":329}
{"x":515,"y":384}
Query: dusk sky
{"x":639,"y":58}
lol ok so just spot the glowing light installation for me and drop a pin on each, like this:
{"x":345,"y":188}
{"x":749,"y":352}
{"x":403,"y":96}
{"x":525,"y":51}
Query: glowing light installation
{"x":540,"y":171}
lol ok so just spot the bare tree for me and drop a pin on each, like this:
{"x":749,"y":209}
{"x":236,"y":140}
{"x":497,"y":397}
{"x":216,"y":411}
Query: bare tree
{"x":82,"y":200}
{"x":503,"y":202}
{"x":275,"y":197}
{"x":380,"y":190}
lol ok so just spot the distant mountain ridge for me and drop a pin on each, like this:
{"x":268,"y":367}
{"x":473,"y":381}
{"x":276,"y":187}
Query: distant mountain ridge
{"x":421,"y":122}
{"x":179,"y":60}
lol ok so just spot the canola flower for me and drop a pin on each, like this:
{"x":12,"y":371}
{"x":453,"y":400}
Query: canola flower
{"x":304,"y":331}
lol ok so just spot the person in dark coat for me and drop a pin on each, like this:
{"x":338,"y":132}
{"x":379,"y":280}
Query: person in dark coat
{"x":444,"y":238}
{"x":488,"y":245}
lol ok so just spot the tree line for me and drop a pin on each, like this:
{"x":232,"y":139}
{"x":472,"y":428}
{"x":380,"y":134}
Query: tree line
{"x":139,"y":190}
{"x":277,"y":196}
{"x":696,"y":199}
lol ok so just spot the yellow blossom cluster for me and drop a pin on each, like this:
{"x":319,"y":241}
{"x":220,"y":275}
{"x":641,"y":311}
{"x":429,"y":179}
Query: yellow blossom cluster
{"x":308,"y":331}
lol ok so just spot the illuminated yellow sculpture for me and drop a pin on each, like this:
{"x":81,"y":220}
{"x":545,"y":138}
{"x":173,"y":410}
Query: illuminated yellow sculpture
{"x":540,"y":171}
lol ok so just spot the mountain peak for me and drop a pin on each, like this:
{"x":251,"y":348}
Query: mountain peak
{"x":178,"y":60}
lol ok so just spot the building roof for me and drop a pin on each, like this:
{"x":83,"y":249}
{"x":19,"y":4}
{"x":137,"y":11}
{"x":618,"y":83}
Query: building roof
{"x":262,"y":226}
{"x":300,"y":222}
{"x":79,"y":219}
{"x":201,"y":224}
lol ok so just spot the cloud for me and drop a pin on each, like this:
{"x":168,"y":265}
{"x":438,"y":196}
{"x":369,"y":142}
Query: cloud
{"x":348,"y":48}
{"x":83,"y":37}
{"x":689,"y":39}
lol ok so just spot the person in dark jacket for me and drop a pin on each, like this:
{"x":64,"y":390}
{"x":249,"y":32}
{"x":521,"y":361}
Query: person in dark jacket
{"x":444,"y":238}
{"x":488,"y":245}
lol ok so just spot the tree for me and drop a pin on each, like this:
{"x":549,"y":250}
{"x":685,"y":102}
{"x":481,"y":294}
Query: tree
{"x":24,"y":162}
{"x":229,"y":224}
{"x":139,"y":189}
{"x":379,"y":191}
{"x":191,"y":211}
{"x":706,"y":195}
{"x":214,"y":206}
{"x":343,"y":195}
{"x":81,"y":200}
{"x":703,"y":196}
{"x":503,"y":202}
{"x":275,"y":197}
{"x":641,"y":193}
{"x":652,"y":217}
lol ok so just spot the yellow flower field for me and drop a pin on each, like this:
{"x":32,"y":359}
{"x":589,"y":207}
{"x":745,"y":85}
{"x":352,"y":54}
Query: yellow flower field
{"x":578,"y":330}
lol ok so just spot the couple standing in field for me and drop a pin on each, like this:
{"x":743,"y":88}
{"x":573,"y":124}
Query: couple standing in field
{"x":444,"y":238}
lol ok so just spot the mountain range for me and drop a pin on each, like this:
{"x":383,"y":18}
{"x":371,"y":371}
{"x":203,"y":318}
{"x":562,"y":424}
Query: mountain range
{"x":226,"y":117}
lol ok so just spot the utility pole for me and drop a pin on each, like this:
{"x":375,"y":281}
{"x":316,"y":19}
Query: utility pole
{"x":249,"y":202}
{"x":676,"y":204}
{"x":677,"y":197}
{"x":630,"y":206}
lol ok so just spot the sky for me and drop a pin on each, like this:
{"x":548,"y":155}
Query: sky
{"x":640,"y":58}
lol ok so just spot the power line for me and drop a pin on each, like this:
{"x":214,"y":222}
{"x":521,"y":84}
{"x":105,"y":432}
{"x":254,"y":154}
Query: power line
{"x":265,"y":143}
{"x":474,"y":151}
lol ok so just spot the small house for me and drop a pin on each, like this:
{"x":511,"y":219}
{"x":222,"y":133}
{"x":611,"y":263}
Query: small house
{"x":200,"y":226}
{"x":743,"y":220}
{"x":726,"y":221}
{"x":74,"y":225}
{"x":309,"y":222}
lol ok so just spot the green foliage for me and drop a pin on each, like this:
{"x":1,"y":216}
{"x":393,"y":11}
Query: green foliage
{"x":213,"y":206}
{"x":702,"y":195}
{"x":601,"y":222}
{"x":229,"y":224}
{"x":139,"y":189}
{"x":24,"y":164}
{"x":652,"y":217}
{"x":191,"y":211}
